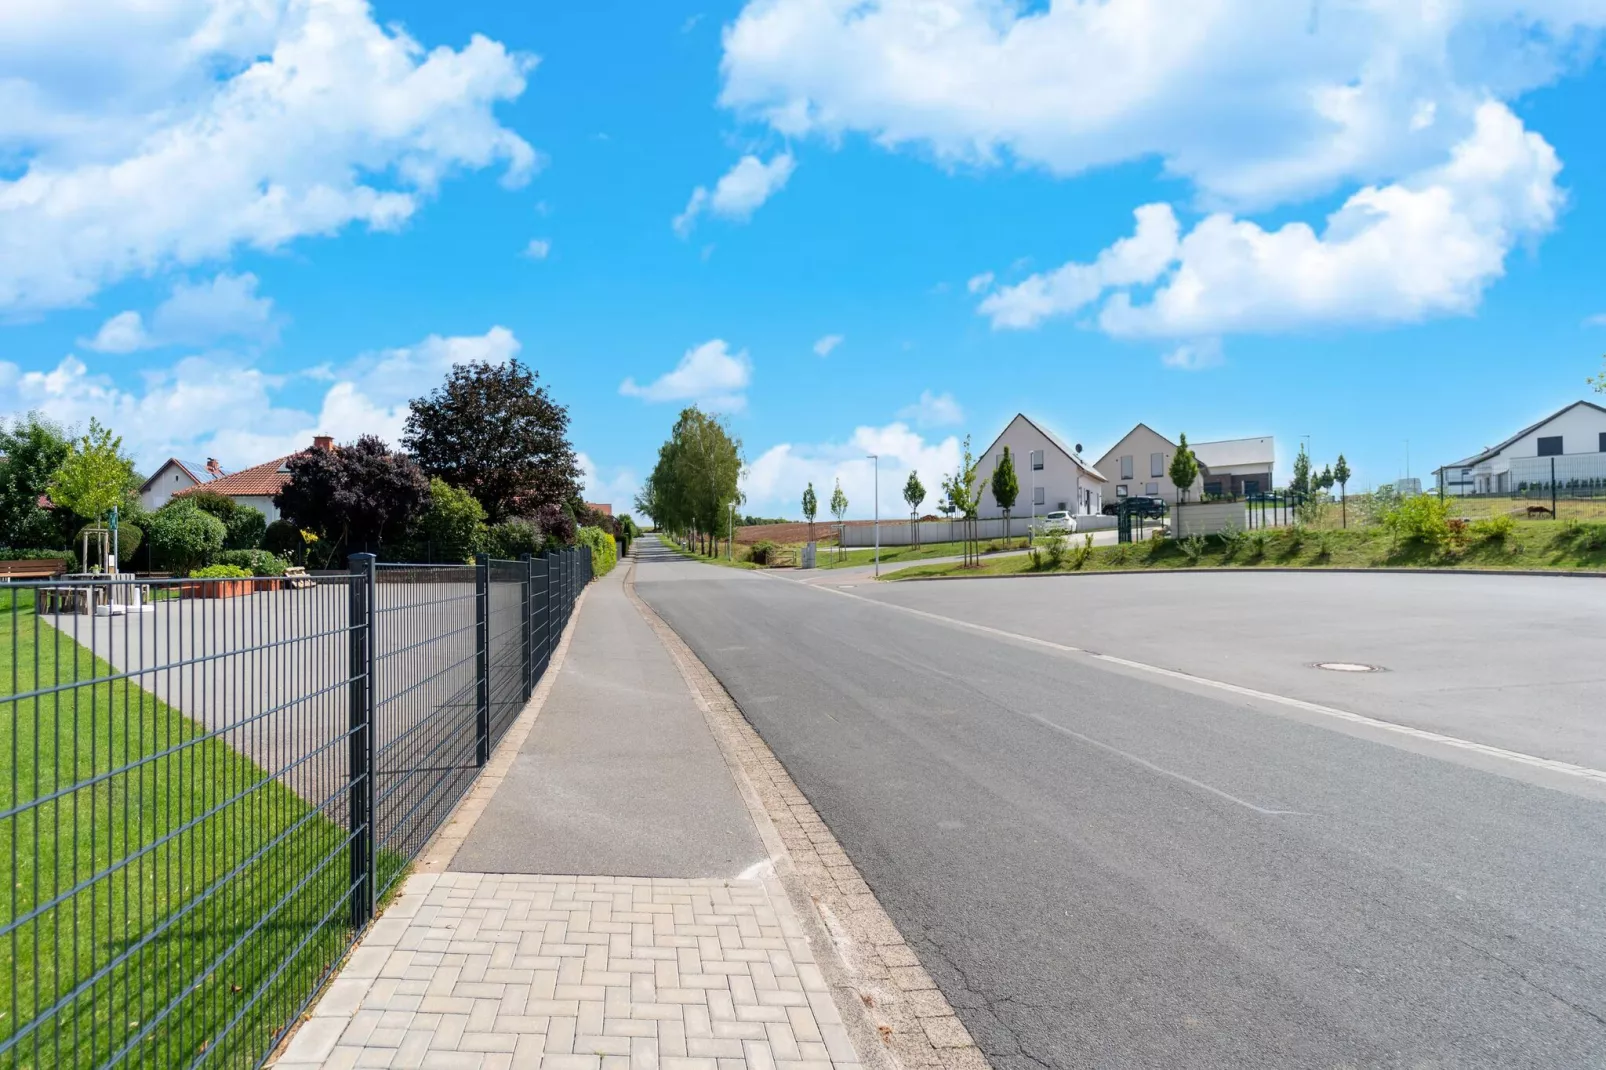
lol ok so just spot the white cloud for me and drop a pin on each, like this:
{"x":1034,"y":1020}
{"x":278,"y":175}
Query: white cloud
{"x":1598,"y":320}
{"x":774,"y":482}
{"x":172,"y":132}
{"x":617,"y":489}
{"x":933,"y":410}
{"x":1427,"y":245}
{"x":538,"y":249}
{"x":193,"y":314}
{"x":709,"y":375}
{"x":739,"y":191}
{"x":823,"y":347}
{"x":1254,"y":102}
{"x":978,"y":283}
{"x":221,"y":406}
{"x":1194,"y":356}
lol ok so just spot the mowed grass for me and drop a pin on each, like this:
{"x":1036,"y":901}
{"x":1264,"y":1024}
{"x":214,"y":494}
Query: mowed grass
{"x":166,"y":901}
{"x":1547,"y":545}
{"x":831,"y":557}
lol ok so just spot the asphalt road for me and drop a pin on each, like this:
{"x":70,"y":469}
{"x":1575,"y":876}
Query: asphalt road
{"x":1105,"y":865}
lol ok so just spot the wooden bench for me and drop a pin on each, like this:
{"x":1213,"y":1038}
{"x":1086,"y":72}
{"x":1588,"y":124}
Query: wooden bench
{"x":33,"y":568}
{"x":296,"y":577}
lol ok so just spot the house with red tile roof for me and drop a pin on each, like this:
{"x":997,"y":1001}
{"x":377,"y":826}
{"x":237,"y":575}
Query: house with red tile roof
{"x":256,"y":486}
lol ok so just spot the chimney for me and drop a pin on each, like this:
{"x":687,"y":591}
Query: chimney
{"x":213,"y":469}
{"x":323,"y":442}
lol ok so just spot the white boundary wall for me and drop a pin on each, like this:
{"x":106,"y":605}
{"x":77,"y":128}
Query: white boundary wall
{"x":897,"y":532}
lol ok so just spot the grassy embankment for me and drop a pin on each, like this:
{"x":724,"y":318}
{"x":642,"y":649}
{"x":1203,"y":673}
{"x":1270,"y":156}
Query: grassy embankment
{"x":1533,"y":545}
{"x":222,"y":893}
{"x":831,"y":557}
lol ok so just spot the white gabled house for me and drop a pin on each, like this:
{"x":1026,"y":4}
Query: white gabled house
{"x":1140,"y":464}
{"x":1051,"y":474}
{"x":1571,"y":443}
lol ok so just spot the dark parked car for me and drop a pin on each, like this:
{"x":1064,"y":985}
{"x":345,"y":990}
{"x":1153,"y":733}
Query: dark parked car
{"x":1138,"y":505}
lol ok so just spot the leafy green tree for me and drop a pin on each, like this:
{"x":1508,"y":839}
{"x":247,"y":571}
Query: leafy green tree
{"x":1184,"y":468}
{"x":94,"y":477}
{"x":33,"y":448}
{"x":183,"y":538}
{"x":245,"y":524}
{"x":1300,"y":485}
{"x":1599,"y":381}
{"x":914,"y":493}
{"x":839,"y":509}
{"x":452,"y":527}
{"x":811,"y":507}
{"x":697,"y":479}
{"x":493,"y":432}
{"x":1341,"y":474}
{"x":1006,"y":487}
{"x":964,"y":498}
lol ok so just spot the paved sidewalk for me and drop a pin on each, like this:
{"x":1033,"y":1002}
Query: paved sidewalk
{"x":673,"y":958}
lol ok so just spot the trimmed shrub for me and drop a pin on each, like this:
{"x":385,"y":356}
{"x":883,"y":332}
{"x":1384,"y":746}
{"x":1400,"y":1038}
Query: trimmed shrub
{"x":185,"y":538}
{"x":604,"y":551}
{"x":220,"y":572}
{"x":284,"y":538}
{"x":256,"y":562}
{"x":512,"y":539}
{"x":129,"y":539}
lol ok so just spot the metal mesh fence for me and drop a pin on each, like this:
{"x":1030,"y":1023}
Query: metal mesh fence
{"x":208,"y":785}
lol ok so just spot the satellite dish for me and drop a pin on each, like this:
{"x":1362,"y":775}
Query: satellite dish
{"x":1078,"y":447}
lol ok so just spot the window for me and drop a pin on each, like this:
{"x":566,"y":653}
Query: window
{"x":1120,"y":490}
{"x":1251,"y":486}
{"x":1037,"y":456}
{"x":1126,"y":467}
{"x":1151,"y":489}
{"x":1039,"y":496}
{"x":1550,"y":446}
{"x":1603,"y":442}
{"x":1157,"y":464}
{"x":1213,"y":489}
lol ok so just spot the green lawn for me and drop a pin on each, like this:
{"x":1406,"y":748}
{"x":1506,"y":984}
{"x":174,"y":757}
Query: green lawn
{"x":1549,"y":545}
{"x":114,"y":804}
{"x":833,"y":558}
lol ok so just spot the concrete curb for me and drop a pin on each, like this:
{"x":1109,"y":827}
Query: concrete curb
{"x":897,"y":1016}
{"x":1565,"y":573}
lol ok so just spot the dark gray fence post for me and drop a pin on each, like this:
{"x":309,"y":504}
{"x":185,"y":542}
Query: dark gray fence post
{"x":529,"y":629}
{"x":482,"y":658}
{"x":360,"y":737}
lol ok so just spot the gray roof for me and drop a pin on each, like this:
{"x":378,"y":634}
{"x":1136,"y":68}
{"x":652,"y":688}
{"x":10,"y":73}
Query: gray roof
{"x":1231,"y":452}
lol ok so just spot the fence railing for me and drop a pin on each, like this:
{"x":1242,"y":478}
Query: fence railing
{"x":207,"y":786}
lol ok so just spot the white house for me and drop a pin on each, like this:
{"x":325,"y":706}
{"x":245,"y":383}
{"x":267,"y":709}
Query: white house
{"x":1051,"y":475}
{"x":1140,"y":464}
{"x":1571,"y":443}
{"x":173,"y":477}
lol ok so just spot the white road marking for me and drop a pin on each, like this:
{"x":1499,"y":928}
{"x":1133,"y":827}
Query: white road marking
{"x":758,"y":870}
{"x":1550,"y":765}
{"x":1201,"y":785}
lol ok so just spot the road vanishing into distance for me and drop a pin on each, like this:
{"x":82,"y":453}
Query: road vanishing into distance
{"x":1125,"y":822}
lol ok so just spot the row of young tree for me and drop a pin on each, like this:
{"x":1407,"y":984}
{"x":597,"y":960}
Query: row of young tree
{"x":484,"y":465}
{"x":695,"y":486}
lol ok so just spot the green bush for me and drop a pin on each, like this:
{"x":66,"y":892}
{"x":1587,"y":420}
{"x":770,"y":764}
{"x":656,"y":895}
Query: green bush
{"x":129,"y":538}
{"x":452,"y":528}
{"x":66,"y":557}
{"x":1084,"y":552}
{"x":220,"y":572}
{"x":604,"y":551}
{"x":1423,"y":519}
{"x":284,"y":539}
{"x":512,"y":539}
{"x":256,"y":562}
{"x":1193,"y":548}
{"x":1590,"y":537}
{"x":184,"y":538}
{"x":762,"y":552}
{"x":243,"y":525}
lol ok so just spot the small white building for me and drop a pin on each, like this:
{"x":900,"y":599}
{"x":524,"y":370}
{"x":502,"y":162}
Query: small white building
{"x":174,"y":477}
{"x":1570,"y":443}
{"x":1140,"y":464}
{"x":1052,"y":475}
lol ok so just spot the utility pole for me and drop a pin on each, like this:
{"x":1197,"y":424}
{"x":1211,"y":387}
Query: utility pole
{"x":877,"y":459}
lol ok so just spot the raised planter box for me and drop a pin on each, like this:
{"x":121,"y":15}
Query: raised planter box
{"x":229,"y":588}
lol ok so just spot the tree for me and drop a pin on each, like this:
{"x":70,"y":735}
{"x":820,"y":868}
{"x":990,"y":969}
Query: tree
{"x":960,"y":489}
{"x":914,"y":492}
{"x":182,"y":537}
{"x":696,"y":480}
{"x":353,"y":497}
{"x":811,"y":507}
{"x":1599,"y":381}
{"x":1300,"y":484}
{"x":1184,"y":469}
{"x":33,"y":448}
{"x":1341,"y":474}
{"x":1006,"y":487}
{"x":839,"y":509}
{"x":452,"y":527}
{"x":94,"y":477}
{"x":492,"y":432}
{"x":245,"y":525}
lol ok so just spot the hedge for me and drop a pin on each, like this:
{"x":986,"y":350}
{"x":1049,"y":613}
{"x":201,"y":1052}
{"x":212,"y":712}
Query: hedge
{"x":67,"y":556}
{"x":257,"y":562}
{"x":604,"y":551}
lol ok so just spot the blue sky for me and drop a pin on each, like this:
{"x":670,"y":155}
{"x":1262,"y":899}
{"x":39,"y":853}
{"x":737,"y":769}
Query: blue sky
{"x":226,"y":226}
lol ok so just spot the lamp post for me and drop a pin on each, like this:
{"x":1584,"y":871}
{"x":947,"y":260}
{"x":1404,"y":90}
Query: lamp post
{"x":876,"y":458}
{"x":730,"y":543}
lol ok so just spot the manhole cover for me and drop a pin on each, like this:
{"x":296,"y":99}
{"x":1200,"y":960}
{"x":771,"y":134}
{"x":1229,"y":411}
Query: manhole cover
{"x":1347,"y":666}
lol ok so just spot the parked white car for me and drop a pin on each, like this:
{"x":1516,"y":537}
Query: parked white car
{"x":1058,"y":520}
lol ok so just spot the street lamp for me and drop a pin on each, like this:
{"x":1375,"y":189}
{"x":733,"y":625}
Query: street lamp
{"x":876,"y":458}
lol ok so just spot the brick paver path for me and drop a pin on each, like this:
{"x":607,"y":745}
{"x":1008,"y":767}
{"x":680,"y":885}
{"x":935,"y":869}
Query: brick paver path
{"x":491,"y":971}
